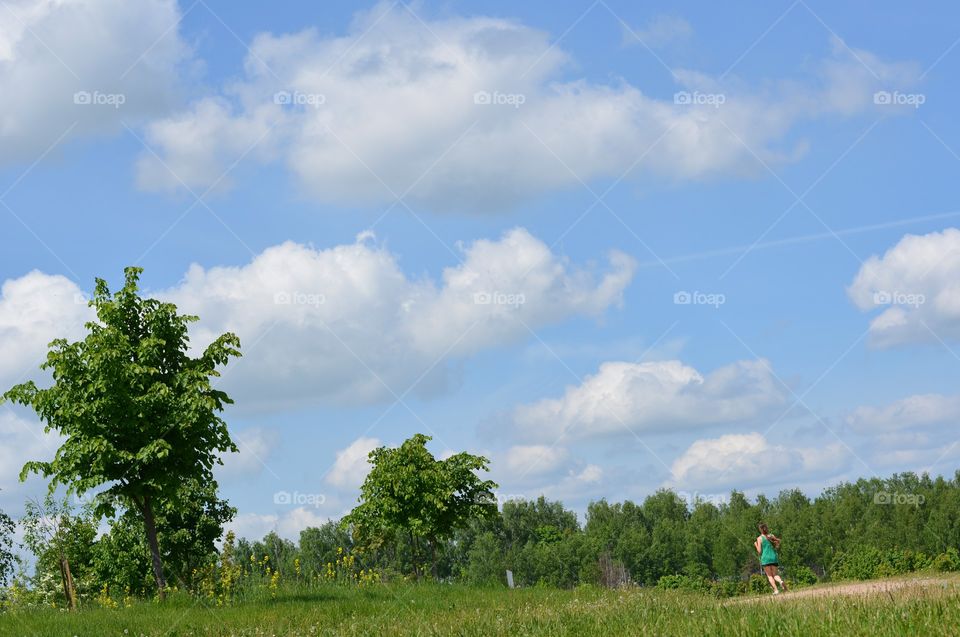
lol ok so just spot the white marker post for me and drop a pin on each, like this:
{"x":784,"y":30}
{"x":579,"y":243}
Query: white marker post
{"x":510,"y":579}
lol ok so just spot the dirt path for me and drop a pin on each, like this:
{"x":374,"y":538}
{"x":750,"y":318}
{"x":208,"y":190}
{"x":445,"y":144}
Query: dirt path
{"x":859,"y":589}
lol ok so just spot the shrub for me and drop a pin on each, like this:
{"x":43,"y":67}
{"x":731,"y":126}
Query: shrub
{"x":728,"y":588}
{"x":860,"y":563}
{"x":947,"y":561}
{"x":759,"y":584}
{"x":684,"y":582}
{"x":802,"y":576}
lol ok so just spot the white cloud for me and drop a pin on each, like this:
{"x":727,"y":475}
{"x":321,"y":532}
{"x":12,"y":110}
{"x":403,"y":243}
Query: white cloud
{"x":351,"y":466}
{"x":913,"y":411}
{"x":591,"y":474}
{"x":34,"y":310}
{"x":345,"y":324}
{"x":660,"y":31}
{"x":254,"y":526}
{"x":652,"y":396}
{"x":534,"y":460}
{"x":52,"y":49}
{"x":392,"y":107}
{"x":917,"y":285}
{"x":21,"y":441}
{"x":255,"y":446}
{"x":750,"y":460}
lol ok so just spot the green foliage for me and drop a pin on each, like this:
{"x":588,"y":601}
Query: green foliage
{"x":121,"y":558}
{"x":7,"y":557}
{"x":802,"y":576}
{"x":758,"y":584}
{"x":318,"y":546}
{"x":868,"y":562}
{"x":684,"y":583}
{"x":136,"y":412}
{"x":485,"y":565}
{"x":860,"y":563}
{"x":947,"y":561}
{"x":408,"y":491}
{"x":187,"y":539}
{"x":52,"y":532}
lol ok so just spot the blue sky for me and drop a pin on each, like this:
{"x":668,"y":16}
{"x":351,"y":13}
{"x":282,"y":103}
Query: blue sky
{"x":481,"y":221}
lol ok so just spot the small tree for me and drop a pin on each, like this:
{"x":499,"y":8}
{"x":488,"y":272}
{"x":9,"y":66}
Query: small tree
{"x":137,"y":412}
{"x":7,"y":558}
{"x":62,"y":542}
{"x":409,"y":491}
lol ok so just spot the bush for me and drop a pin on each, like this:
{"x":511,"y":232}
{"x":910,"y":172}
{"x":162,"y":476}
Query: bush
{"x":802,"y":576}
{"x":759,"y":584}
{"x":684,"y":583}
{"x":860,"y":563}
{"x":948,"y":561}
{"x":728,"y":588}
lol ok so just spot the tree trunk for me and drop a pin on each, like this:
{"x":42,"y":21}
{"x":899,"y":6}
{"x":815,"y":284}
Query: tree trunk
{"x":433,"y":559}
{"x":68,"y":590}
{"x":415,"y":550}
{"x":150,"y":524}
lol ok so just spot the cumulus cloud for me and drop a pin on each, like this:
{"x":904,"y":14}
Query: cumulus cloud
{"x":534,"y":460}
{"x":21,"y":441}
{"x":34,"y":310}
{"x":749,"y":460}
{"x":916,"y":284}
{"x":254,"y":526}
{"x":345,"y":324}
{"x":351,"y":466}
{"x":479,"y":114}
{"x":54,"y":50}
{"x":662,"y":30}
{"x":913,"y":411}
{"x":652,"y":396}
{"x":255,"y":446}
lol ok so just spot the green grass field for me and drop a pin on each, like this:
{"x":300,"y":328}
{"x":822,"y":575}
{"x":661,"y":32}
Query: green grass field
{"x":431,"y":609}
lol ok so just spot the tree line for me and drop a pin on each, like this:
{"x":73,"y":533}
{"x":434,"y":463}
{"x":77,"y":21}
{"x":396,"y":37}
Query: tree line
{"x":847,"y":531}
{"x":142,"y":431}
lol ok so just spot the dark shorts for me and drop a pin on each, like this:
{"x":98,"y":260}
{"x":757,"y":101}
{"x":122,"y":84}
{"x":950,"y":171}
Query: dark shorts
{"x":770,"y":564}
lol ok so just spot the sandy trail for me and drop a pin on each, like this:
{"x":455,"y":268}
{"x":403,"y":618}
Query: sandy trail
{"x":859,"y":589}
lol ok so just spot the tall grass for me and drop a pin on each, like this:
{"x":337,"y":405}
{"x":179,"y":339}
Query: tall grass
{"x":436,"y":609}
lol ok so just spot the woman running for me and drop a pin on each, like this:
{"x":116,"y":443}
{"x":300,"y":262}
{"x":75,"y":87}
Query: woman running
{"x":767,"y":544}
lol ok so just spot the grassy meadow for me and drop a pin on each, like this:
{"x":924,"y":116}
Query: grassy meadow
{"x":436,"y":609}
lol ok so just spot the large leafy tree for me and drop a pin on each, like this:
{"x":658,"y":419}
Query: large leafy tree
{"x":139,"y":415}
{"x":409,"y":491}
{"x":187,"y":533}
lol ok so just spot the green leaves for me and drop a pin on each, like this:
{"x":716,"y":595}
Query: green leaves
{"x":136,"y":412}
{"x":409,"y":491}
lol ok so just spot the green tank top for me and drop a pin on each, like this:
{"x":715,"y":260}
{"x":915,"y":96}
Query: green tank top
{"x":768,"y":554}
